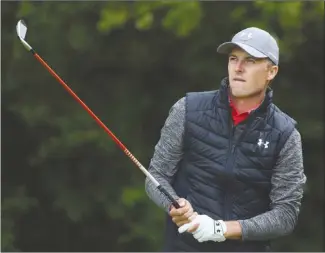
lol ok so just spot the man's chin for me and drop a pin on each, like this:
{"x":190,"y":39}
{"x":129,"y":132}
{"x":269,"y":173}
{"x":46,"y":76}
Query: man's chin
{"x":239,"y":94}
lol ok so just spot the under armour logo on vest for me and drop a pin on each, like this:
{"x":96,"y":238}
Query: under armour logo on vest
{"x":261,"y":142}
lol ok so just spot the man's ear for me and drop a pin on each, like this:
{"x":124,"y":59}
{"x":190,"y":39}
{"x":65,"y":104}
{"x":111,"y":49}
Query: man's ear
{"x":272,"y":72}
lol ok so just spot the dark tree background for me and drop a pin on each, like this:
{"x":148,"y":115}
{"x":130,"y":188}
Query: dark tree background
{"x":65,"y":185}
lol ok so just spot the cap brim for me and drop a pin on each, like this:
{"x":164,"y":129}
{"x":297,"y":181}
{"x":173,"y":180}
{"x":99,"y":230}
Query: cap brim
{"x":227,"y":47}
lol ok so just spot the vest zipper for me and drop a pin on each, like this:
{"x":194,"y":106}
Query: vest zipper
{"x":230,"y":162}
{"x":229,"y":167}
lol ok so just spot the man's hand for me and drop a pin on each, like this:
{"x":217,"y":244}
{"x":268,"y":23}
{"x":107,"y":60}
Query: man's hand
{"x":205,"y":228}
{"x":184,"y":214}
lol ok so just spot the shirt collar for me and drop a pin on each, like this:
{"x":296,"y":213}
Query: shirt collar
{"x":232,"y":106}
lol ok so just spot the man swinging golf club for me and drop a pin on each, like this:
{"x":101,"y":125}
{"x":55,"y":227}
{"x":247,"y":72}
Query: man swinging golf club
{"x":231,"y":158}
{"x":21,"y":29}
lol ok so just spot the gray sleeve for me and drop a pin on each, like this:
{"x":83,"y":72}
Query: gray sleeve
{"x":286,"y":193}
{"x":168,"y":152}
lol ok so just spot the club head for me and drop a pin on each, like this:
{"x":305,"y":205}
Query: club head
{"x":21,"y":29}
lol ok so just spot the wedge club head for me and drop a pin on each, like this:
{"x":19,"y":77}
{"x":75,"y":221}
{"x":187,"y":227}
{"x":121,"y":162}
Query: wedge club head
{"x":21,"y":29}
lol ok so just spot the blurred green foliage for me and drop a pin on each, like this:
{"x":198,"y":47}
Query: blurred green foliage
{"x":179,"y":17}
{"x":65,"y":184}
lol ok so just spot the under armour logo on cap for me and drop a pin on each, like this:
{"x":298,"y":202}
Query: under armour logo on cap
{"x":256,"y":42}
{"x":245,"y":36}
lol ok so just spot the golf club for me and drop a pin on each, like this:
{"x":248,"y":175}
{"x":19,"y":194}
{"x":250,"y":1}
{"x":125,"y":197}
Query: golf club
{"x":21,"y":32}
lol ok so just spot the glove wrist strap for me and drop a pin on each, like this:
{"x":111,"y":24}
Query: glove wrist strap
{"x":220,"y":229}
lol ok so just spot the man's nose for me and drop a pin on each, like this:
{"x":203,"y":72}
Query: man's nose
{"x":239,"y":66}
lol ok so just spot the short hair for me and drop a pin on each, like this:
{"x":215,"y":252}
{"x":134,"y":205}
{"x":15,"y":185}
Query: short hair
{"x":270,"y":63}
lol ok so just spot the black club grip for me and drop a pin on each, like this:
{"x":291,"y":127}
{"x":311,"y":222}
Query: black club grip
{"x":174,"y":202}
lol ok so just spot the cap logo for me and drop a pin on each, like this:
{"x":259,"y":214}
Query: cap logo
{"x":245,"y":36}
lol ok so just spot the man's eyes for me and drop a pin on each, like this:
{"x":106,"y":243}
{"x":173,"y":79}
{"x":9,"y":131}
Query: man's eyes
{"x":249,"y":60}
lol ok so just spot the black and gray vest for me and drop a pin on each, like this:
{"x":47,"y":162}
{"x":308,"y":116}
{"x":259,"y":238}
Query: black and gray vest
{"x":226,"y":170}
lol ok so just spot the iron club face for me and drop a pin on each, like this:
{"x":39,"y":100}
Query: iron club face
{"x":21,"y":29}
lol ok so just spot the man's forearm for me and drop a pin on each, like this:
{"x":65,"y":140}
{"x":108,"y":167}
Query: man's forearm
{"x":263,"y":227}
{"x":234,"y":230}
{"x":155,"y":195}
{"x":167,"y":155}
{"x":268,"y":226}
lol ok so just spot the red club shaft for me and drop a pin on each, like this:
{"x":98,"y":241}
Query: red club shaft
{"x":93,"y":115}
{"x":110,"y":133}
{"x":21,"y":32}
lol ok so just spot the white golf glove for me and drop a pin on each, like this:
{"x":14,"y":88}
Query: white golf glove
{"x":208,"y":230}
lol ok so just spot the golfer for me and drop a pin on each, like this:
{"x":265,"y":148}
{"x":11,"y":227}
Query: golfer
{"x":231,"y":158}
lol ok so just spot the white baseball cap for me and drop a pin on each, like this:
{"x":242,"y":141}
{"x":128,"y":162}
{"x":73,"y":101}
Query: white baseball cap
{"x":256,"y":42}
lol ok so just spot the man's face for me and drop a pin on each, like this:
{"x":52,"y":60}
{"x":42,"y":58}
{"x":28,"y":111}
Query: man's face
{"x":248,"y":76}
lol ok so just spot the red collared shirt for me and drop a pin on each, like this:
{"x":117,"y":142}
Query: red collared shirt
{"x":239,"y":117}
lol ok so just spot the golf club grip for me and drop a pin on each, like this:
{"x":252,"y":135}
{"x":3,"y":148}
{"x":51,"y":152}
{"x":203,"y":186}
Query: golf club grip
{"x":170,"y":197}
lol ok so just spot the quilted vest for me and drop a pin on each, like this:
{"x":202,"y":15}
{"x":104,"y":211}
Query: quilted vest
{"x":226,"y":170}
